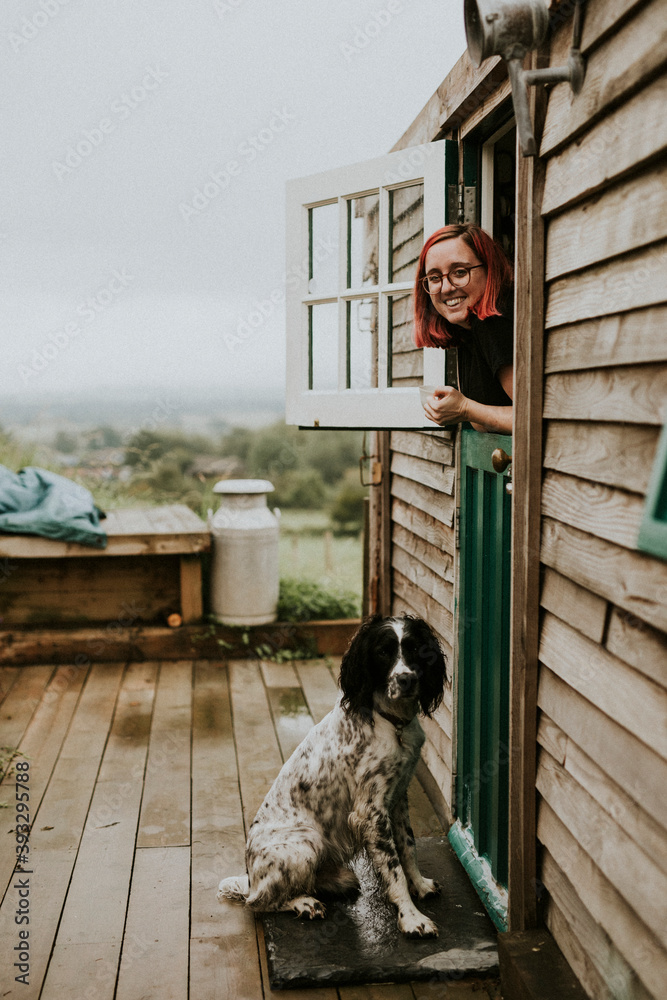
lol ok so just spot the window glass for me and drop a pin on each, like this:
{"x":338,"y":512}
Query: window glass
{"x":406,"y":227}
{"x":323,"y":232}
{"x":362,"y":343}
{"x":323,"y":328}
{"x":406,"y":366}
{"x":363,"y":244}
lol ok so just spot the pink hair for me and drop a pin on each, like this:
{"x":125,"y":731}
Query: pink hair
{"x":431,"y":329}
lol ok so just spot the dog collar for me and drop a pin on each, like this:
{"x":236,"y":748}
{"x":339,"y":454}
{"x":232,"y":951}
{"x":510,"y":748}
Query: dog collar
{"x":398,"y":724}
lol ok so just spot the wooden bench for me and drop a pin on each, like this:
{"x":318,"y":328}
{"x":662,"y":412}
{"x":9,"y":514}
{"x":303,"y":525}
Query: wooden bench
{"x":150,"y":568}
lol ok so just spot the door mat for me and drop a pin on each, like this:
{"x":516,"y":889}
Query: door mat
{"x":359,"y":942}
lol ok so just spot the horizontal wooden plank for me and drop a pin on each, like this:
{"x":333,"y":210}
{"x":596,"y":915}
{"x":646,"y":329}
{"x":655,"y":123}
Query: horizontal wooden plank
{"x":633,"y":581}
{"x":442,"y":744}
{"x":574,"y":604}
{"x":613,"y":748}
{"x":439,"y":617}
{"x":622,"y":693}
{"x":600,"y":510}
{"x":597,"y":962}
{"x":631,"y":55}
{"x":441,"y":563}
{"x":601,"y":20}
{"x":632,"y":281}
{"x":637,"y":823}
{"x":423,"y":578}
{"x":628,"y":869}
{"x":439,"y":505}
{"x":622,"y":219}
{"x":423,"y":525}
{"x":615,"y":146}
{"x":408,"y":364}
{"x":628,"y":338}
{"x":635,"y":394}
{"x":635,"y":642}
{"x":135,"y":531}
{"x":615,"y":454}
{"x":439,"y":771}
{"x":434,"y":446}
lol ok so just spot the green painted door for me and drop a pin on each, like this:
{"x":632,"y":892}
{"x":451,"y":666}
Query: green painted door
{"x":479,"y":835}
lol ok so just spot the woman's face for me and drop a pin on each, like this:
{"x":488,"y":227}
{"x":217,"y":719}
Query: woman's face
{"x":453,"y":303}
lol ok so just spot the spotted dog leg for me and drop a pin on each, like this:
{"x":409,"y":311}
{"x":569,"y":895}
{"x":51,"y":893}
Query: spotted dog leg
{"x":375,"y":829}
{"x":420,"y":886}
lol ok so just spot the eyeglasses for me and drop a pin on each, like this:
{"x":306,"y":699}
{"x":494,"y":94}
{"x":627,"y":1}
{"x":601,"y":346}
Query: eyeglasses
{"x":459,"y":277}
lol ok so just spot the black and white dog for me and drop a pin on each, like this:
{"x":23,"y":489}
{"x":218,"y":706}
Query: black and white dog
{"x":345,"y":787}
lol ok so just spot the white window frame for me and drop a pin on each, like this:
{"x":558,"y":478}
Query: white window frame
{"x":395,"y":407}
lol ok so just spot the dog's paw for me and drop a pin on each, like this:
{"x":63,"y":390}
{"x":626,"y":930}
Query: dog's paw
{"x":308,"y":908}
{"x":415,"y":924}
{"x":425,"y":887}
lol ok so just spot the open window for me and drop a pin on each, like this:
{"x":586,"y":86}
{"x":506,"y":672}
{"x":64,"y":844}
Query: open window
{"x":354,"y":235}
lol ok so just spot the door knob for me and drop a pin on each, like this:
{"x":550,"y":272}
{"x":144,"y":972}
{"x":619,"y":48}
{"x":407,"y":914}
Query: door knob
{"x":500,"y":459}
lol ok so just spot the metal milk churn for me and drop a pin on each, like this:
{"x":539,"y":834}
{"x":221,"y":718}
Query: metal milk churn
{"x":244,"y":571}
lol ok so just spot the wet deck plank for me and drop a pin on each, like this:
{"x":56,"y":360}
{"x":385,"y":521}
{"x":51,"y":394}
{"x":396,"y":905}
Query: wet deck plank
{"x":143,"y":779}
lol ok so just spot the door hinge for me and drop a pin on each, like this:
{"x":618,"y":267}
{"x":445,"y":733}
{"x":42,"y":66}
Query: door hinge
{"x":457,"y":528}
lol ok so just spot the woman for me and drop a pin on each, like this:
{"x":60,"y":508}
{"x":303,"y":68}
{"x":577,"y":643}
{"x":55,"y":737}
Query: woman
{"x":464,"y":298}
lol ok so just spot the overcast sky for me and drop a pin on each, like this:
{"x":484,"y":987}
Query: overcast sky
{"x":114,"y":271}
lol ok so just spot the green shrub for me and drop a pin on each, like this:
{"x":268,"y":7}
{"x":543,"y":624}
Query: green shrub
{"x":347,"y":513}
{"x":305,"y":600}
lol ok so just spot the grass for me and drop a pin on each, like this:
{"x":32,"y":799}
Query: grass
{"x":310,"y":551}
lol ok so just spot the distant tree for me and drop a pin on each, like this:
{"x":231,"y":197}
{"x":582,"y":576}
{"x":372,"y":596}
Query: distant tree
{"x":347,"y":512}
{"x":146,"y":446}
{"x":274,"y":451}
{"x":332,"y":452}
{"x":65,"y":443}
{"x":300,"y":488}
{"x":105,"y":437}
{"x":237,"y":442}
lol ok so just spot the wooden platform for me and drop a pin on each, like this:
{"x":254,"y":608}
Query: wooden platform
{"x":142,"y":779}
{"x":150,"y":568}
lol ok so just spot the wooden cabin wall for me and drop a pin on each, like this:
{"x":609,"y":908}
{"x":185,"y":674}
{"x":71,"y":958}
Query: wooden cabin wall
{"x":422,"y":563}
{"x":602,"y":764}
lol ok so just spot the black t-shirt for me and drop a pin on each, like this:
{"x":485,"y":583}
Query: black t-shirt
{"x":482,"y":351}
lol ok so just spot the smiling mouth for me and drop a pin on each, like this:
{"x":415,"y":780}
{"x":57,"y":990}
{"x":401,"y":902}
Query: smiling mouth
{"x":452,"y":303}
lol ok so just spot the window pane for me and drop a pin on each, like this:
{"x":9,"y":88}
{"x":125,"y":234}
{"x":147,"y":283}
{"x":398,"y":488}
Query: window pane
{"x":362,"y":229}
{"x":323,"y":250}
{"x":406,"y":226}
{"x":405,"y":362}
{"x":323,"y":346}
{"x":362,"y":344}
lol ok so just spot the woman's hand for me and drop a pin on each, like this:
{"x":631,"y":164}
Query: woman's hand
{"x":449,"y":406}
{"x":446,"y":406}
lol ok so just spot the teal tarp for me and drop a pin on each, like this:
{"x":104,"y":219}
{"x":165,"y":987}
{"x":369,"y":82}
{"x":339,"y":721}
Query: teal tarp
{"x":37,"y":502}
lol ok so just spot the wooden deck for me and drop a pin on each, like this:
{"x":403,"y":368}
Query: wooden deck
{"x":141,"y":780}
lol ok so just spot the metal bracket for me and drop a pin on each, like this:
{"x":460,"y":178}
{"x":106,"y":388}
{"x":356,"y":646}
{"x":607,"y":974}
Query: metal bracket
{"x":573,"y":73}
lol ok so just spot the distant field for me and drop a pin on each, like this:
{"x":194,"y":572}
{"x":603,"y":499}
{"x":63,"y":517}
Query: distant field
{"x":307,"y":552}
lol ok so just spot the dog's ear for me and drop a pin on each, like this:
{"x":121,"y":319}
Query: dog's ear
{"x":356,"y":674}
{"x":432,"y":665}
